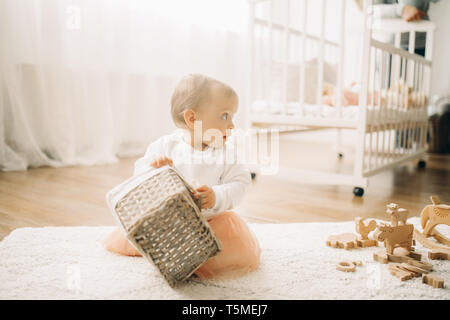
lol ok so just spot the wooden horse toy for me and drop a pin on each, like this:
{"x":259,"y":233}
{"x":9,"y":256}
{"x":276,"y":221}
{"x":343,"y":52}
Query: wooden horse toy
{"x":433,"y":215}
{"x":398,"y":215}
{"x":398,"y":236}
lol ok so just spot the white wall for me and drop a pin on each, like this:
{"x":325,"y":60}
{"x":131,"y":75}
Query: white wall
{"x":440,"y":14}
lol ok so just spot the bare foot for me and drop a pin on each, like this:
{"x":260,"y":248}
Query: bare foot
{"x":116,"y":242}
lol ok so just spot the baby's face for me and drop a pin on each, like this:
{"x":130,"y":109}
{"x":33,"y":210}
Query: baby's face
{"x":218,"y":114}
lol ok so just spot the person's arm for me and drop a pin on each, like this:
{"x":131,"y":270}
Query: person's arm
{"x":409,"y":10}
{"x":235,"y":182}
{"x":156,"y":150}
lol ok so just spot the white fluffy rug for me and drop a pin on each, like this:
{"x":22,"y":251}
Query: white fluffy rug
{"x":70,"y":263}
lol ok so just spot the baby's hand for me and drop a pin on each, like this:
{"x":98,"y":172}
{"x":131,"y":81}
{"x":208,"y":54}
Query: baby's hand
{"x":162,"y":161}
{"x":207,"y":195}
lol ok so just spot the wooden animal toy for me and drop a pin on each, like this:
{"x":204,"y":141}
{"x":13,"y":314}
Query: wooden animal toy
{"x":432,"y":280}
{"x":364,"y":229}
{"x":397,"y":215}
{"x":399,"y":236}
{"x":434,"y":214}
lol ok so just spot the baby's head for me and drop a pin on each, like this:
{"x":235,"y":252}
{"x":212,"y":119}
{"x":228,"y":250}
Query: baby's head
{"x":200,"y":98}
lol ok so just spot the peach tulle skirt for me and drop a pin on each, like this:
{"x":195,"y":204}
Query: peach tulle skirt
{"x":240,"y":249}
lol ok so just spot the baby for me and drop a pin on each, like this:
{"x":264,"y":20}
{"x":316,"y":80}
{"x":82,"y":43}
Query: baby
{"x":203,"y":109}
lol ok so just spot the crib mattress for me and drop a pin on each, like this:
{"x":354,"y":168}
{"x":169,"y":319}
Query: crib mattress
{"x":349,"y":113}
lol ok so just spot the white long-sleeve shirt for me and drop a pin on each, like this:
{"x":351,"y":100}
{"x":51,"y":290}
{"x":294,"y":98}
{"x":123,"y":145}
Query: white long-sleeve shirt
{"x":212,"y":167}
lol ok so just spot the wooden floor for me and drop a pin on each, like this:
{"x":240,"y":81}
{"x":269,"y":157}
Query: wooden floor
{"x":74,"y":196}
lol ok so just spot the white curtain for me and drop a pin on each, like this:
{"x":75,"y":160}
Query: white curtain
{"x":83,"y":82}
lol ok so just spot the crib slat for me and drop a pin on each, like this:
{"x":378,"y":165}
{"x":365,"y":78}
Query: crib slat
{"x":404,"y":108}
{"x":372,"y":104}
{"x":424,"y":92}
{"x":339,"y":83}
{"x":382,"y":118}
{"x":359,"y":167}
{"x":303,"y":59}
{"x":389,"y":111}
{"x":269,"y":62}
{"x":321,"y":55}
{"x":252,"y":58}
{"x":411,"y":49}
{"x":286,"y":58}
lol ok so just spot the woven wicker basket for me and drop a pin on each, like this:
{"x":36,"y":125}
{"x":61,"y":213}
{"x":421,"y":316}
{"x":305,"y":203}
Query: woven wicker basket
{"x":159,"y":216}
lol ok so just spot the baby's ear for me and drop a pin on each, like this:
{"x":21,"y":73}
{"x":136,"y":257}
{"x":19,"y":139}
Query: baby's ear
{"x":189,"y":118}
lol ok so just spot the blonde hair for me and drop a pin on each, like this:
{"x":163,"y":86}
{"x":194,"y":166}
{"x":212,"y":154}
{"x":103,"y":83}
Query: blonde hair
{"x":192,"y":91}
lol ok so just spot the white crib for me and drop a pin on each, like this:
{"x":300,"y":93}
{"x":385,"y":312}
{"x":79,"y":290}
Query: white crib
{"x":391,"y":114}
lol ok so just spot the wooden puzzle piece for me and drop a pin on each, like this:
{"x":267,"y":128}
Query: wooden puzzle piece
{"x":400,"y":273}
{"x":345,"y":240}
{"x":432,"y":280}
{"x":412,"y":258}
{"x":434,"y":214}
{"x":398,"y":236}
{"x":346,"y":266}
{"x":438,"y":255}
{"x":357,"y":263}
{"x":380,"y":256}
{"x":366,"y":243}
{"x":421,"y":264}
{"x":415,"y":269}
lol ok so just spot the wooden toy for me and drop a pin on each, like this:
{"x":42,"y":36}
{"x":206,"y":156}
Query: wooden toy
{"x":345,"y":240}
{"x":398,"y":215}
{"x":430,"y":244}
{"x":380,"y":256}
{"x":415,"y":269}
{"x":403,"y":258}
{"x":364,"y":230}
{"x":357,"y":263}
{"x":438,"y":255}
{"x":420,"y":264}
{"x":440,"y":237}
{"x":410,"y":257}
{"x":346,"y":266}
{"x":432,"y":280}
{"x":400,"y":273}
{"x":395,"y":236}
{"x":434,"y":214}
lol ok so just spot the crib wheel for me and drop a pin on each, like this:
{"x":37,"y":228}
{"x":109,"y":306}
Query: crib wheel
{"x":357,"y":191}
{"x":421,"y":164}
{"x":340,"y":155}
